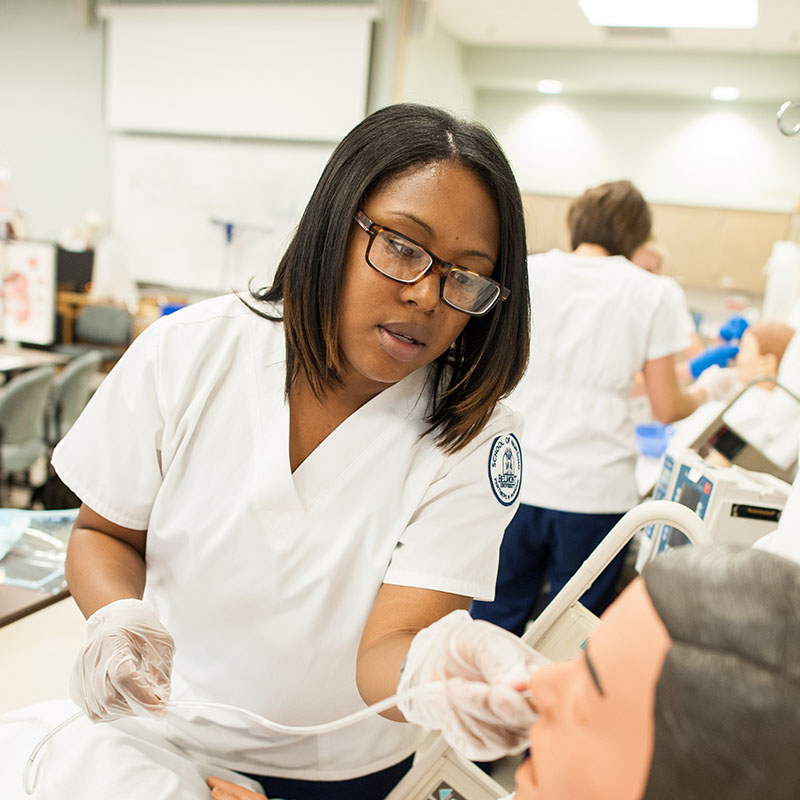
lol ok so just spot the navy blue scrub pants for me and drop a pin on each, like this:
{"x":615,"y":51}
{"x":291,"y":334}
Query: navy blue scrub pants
{"x":544,"y":545}
{"x":369,"y":787}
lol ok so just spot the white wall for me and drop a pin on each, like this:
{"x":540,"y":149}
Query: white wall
{"x":690,"y":152}
{"x":51,"y":130}
{"x":434,"y":73}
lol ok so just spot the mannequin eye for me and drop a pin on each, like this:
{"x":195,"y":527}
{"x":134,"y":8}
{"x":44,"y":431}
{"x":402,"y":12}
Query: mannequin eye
{"x":593,"y":672}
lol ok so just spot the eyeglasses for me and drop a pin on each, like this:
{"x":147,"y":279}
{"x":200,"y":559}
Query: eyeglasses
{"x":403,"y":260}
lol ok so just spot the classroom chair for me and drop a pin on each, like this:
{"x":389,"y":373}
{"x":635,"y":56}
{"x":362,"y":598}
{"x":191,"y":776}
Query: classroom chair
{"x":69,"y":393}
{"x":22,"y":440}
{"x":104,"y":328}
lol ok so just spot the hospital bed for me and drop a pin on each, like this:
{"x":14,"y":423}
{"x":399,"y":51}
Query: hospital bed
{"x":440,"y":773}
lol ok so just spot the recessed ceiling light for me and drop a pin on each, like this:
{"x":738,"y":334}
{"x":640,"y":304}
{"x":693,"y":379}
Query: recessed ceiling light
{"x":549,"y":87}
{"x":671,"y":13}
{"x":725,"y":93}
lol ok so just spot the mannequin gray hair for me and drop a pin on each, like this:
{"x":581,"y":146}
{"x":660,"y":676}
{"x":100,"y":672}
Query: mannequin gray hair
{"x":727,"y":707}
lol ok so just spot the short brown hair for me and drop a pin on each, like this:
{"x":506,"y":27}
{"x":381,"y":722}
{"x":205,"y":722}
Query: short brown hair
{"x":613,"y":215}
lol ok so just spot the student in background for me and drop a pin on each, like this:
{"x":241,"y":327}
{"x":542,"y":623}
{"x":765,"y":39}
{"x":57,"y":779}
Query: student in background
{"x":598,"y":320}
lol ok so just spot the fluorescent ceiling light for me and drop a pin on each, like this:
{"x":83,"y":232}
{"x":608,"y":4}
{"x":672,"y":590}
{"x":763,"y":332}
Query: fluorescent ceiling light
{"x":549,"y":87}
{"x":671,"y":13}
{"x":725,"y":93}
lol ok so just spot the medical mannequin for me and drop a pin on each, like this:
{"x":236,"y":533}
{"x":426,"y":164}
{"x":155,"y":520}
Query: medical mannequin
{"x":693,"y":691}
{"x":767,"y":417}
{"x":689,"y":688}
{"x":761,"y":349}
{"x":598,"y":321}
{"x":280,"y":491}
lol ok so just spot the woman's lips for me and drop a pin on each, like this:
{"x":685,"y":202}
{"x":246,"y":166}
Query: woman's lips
{"x":399,"y":344}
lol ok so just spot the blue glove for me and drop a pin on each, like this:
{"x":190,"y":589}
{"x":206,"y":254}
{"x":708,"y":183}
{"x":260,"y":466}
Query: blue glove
{"x":732,"y":329}
{"x":721,"y":355}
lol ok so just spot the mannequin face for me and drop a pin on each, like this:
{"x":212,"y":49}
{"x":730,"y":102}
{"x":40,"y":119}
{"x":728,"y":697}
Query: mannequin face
{"x":594,"y":736}
{"x":750,"y":363}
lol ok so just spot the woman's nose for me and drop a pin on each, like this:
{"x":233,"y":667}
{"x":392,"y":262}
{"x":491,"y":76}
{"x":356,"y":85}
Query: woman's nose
{"x":425,"y":293}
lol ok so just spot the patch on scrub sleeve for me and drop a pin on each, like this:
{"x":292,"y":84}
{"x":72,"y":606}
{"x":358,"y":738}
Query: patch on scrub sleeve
{"x":505,"y":468}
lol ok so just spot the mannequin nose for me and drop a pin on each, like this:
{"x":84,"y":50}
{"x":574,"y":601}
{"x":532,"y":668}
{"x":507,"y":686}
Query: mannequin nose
{"x":425,"y":293}
{"x":545,"y":689}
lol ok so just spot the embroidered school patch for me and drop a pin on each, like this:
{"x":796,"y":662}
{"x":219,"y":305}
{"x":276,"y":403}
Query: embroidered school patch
{"x":505,"y":468}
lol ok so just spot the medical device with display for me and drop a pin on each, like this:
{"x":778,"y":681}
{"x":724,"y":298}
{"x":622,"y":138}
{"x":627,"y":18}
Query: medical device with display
{"x":737,"y":505}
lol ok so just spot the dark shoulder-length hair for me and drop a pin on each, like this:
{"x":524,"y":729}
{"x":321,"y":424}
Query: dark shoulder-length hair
{"x":487,"y":360}
{"x":613,"y":215}
{"x":727,"y":706}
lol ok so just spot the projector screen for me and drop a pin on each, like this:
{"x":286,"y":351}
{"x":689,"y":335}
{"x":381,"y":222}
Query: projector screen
{"x":254,"y":71}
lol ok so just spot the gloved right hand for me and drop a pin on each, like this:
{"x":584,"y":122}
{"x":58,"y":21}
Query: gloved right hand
{"x":720,"y":384}
{"x":125,"y":664}
{"x":478,"y":708}
{"x":732,"y":329}
{"x":720,"y":355}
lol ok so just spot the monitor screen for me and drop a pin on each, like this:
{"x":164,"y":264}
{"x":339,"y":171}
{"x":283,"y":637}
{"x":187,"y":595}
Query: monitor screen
{"x":74,"y":269}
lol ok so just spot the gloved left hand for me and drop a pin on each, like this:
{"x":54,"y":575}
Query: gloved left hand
{"x":479,"y":711}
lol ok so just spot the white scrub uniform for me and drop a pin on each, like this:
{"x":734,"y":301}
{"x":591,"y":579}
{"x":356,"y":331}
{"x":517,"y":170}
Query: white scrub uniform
{"x":99,"y":762}
{"x":264,"y":577}
{"x":596,"y":321}
{"x":679,"y":301}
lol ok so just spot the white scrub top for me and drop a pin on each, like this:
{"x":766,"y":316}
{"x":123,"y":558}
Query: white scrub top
{"x":679,"y":301}
{"x":266,"y":578}
{"x":596,"y":321}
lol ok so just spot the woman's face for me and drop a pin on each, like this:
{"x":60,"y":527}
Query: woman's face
{"x":594,"y":736}
{"x":389,"y":329}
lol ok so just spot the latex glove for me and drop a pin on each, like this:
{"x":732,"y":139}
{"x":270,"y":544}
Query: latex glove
{"x":733,"y":328}
{"x":125,"y":664}
{"x":720,"y":384}
{"x":478,"y":710}
{"x":721,"y":355}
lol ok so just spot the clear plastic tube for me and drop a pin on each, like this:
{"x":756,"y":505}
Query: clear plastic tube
{"x":30,"y":775}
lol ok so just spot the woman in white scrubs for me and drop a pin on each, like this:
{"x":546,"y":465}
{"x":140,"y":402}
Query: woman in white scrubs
{"x":279,"y":495}
{"x":598,"y":320}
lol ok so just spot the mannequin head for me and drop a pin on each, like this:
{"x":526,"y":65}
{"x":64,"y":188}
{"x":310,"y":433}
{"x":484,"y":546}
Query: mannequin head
{"x":761,"y":348}
{"x":699,"y":665}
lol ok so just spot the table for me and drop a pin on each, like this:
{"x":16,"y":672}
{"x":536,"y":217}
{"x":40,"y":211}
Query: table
{"x":15,"y":358}
{"x":32,"y":567}
{"x":16,"y":603}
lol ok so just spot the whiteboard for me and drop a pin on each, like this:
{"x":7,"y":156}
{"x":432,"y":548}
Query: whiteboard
{"x":259,"y":71}
{"x":172,"y":196}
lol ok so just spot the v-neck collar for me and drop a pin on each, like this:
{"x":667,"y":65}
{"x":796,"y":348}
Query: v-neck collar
{"x":288,"y":495}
